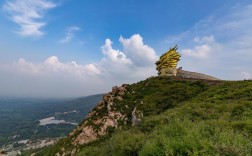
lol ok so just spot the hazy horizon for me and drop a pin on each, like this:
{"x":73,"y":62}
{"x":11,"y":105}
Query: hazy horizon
{"x":62,"y":48}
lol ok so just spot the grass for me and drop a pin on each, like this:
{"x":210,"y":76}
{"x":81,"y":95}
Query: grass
{"x":181,"y":117}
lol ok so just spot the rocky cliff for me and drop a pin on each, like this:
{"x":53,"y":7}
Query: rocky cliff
{"x":103,"y":119}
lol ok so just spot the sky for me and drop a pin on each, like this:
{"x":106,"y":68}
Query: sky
{"x":73,"y":48}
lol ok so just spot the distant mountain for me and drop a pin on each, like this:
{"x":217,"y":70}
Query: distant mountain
{"x":165,"y":116}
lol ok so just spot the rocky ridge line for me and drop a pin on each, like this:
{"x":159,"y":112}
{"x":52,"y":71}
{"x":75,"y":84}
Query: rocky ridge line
{"x":100,"y":120}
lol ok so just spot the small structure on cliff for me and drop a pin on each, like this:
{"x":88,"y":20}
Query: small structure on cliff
{"x":167,"y":63}
{"x":167,"y":66}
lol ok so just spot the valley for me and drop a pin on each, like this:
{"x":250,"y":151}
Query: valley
{"x":28,"y":123}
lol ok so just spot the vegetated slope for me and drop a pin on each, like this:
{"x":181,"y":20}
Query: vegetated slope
{"x":170,"y":116}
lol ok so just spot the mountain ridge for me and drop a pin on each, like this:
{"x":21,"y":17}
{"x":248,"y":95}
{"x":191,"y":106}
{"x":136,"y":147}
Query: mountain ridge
{"x":140,"y":105}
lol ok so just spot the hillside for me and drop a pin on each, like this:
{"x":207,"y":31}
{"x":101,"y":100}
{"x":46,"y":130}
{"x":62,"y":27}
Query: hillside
{"x":166,"y":116}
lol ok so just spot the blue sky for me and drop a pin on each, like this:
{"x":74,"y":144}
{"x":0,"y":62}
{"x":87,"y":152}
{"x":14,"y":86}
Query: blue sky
{"x":66,"y":48}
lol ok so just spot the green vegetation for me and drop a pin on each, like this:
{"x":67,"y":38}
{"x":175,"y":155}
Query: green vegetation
{"x":181,"y":117}
{"x":20,"y":117}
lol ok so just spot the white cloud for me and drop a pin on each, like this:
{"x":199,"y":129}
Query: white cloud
{"x":27,"y":67}
{"x":70,"y":34}
{"x":53,"y":65}
{"x":205,"y":39}
{"x":115,"y":63}
{"x":201,"y":51}
{"x":135,"y":62}
{"x":28,"y":14}
{"x":52,"y":77}
{"x":137,"y":51}
{"x":219,"y":45}
{"x":204,"y":50}
{"x":113,"y":55}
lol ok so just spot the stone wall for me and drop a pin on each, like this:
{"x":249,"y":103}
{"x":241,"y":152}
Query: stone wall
{"x":194,"y":75}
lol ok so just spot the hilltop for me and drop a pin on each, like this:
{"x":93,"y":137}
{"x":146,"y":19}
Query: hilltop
{"x":166,"y":116}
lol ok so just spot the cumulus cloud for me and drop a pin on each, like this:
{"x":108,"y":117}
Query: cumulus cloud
{"x":201,"y":51}
{"x":204,"y":50}
{"x":113,"y":55}
{"x":53,"y":77}
{"x":54,"y":65}
{"x":137,"y":51}
{"x":27,"y":67}
{"x":28,"y":14}
{"x":137,"y":63}
{"x":134,"y":62}
{"x":70,"y":34}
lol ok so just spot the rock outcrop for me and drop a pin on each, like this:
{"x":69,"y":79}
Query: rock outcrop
{"x":103,"y":118}
{"x":136,"y":117}
{"x":95,"y":126}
